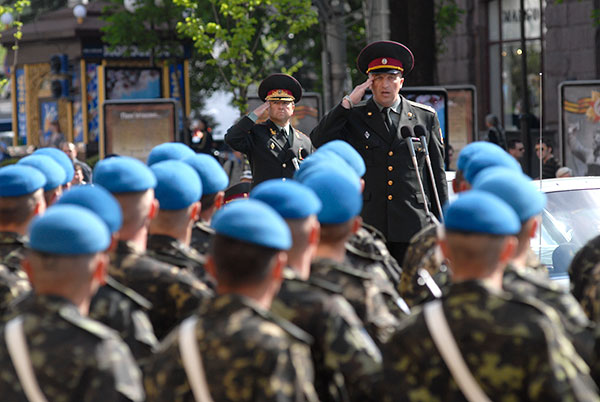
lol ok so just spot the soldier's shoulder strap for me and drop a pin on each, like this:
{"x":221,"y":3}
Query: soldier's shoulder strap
{"x":19,"y":354}
{"x":420,"y":106}
{"x":130,"y":293}
{"x":325,"y":285}
{"x":192,"y":360}
{"x":446,"y":344}
{"x":88,"y":325}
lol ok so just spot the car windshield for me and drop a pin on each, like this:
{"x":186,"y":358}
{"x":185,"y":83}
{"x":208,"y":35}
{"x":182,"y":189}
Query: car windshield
{"x":570,"y":219}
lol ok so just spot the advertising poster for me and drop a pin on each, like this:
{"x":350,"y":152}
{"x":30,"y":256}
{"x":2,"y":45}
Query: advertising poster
{"x":177,"y":90}
{"x":580,"y":126}
{"x":461,"y":119}
{"x":48,"y":116}
{"x":92,"y":103}
{"x":133,"y":83}
{"x":77,"y":121}
{"x":21,"y":109}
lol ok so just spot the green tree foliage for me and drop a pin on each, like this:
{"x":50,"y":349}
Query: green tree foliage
{"x":244,"y":40}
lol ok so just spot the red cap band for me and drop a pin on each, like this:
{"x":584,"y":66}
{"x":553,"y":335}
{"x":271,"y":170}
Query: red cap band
{"x":385,"y":62}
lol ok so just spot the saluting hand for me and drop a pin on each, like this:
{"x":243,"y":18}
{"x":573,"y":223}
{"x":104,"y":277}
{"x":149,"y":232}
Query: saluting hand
{"x":358,"y":92}
{"x":261,"y":109}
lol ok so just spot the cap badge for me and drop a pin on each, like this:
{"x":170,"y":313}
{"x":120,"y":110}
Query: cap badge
{"x":384,"y":61}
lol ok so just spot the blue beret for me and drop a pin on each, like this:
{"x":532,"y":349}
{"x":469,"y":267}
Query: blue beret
{"x":321,"y":161}
{"x":214,"y":178}
{"x":478,"y":211}
{"x":290,"y":199}
{"x":168,"y":151}
{"x":490,"y":158}
{"x":122,"y":174}
{"x":17,"y":180}
{"x":99,"y":201}
{"x":253,"y":221}
{"x":178,"y":185}
{"x":516,"y":189}
{"x":54,"y":173}
{"x":348,"y":154}
{"x":339,"y":193}
{"x":473,"y":149}
{"x":68,"y":230}
{"x":61,"y":158}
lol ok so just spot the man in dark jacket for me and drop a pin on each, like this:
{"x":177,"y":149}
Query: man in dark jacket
{"x":274,"y":148}
{"x":393,"y":202}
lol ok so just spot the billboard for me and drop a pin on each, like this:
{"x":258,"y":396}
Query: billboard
{"x":134,"y":127}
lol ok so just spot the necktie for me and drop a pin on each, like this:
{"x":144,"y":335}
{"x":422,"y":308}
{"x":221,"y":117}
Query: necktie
{"x":388,"y":120}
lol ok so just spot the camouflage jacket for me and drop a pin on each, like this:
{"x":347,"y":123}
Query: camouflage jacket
{"x":581,"y":272}
{"x":173,"y":252}
{"x":174,"y":293}
{"x":74,"y":358}
{"x":12,"y":252}
{"x":514,"y":351}
{"x":201,"y":235}
{"x":528,"y":282}
{"x":12,"y":287}
{"x":367,"y":246}
{"x":246,"y":353}
{"x":125,"y":311}
{"x":341,"y":344}
{"x":361,"y":290}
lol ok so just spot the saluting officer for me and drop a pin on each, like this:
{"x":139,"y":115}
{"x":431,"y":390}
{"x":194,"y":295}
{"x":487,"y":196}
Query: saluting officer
{"x":274,"y":148}
{"x":393,"y":202}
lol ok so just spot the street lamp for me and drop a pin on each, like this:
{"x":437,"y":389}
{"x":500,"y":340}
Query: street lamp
{"x":79,"y":12}
{"x":7,"y":19}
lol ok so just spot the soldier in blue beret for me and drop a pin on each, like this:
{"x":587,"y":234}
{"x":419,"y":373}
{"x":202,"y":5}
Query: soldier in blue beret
{"x":63,"y":160}
{"x":174,"y":293}
{"x":115,"y":305}
{"x":525,"y":276}
{"x":54,"y":173}
{"x":178,"y":192}
{"x":471,"y":328}
{"x":240,"y":342}
{"x":349,"y":154}
{"x":274,"y":148}
{"x":21,"y":199}
{"x":339,"y":218}
{"x":214,"y":183}
{"x":491,"y":158}
{"x":342,"y":345}
{"x":169,"y":150}
{"x":66,"y":263}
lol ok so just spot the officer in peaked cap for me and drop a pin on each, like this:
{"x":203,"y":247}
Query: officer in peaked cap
{"x":274,"y":148}
{"x":372,"y":127}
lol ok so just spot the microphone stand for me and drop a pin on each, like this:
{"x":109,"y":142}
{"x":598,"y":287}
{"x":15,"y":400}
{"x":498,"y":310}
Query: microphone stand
{"x":419,"y":128}
{"x":407,"y":134}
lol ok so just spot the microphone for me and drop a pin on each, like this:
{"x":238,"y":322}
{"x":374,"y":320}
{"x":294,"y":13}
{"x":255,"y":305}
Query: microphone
{"x":407,"y":133}
{"x":421,"y":133}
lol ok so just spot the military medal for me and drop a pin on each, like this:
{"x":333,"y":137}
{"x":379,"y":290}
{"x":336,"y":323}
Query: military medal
{"x":272,"y":146}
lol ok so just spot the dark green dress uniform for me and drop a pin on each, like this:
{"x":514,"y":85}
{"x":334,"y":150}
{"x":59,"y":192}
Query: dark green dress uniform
{"x":391,"y":193}
{"x":174,"y":293}
{"x":272,"y":153}
{"x":171,"y":251}
{"x":247,"y":354}
{"x":73,"y":358}
{"x":341,"y":345}
{"x":512,"y":349}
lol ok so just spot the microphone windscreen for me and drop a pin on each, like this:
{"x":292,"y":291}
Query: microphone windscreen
{"x":420,"y":131}
{"x":406,"y":131}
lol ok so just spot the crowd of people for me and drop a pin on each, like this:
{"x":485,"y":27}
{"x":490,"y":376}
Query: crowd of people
{"x":333,"y":276}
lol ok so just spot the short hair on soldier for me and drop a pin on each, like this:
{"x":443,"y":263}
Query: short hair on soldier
{"x":335,"y":233}
{"x":207,"y":201}
{"x":16,"y":210}
{"x":238,"y":262}
{"x":476,"y":247}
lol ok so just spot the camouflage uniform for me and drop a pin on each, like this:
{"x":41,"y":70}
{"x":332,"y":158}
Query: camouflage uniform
{"x":341,"y":346}
{"x":12,"y":287}
{"x":174,"y":293}
{"x":581,"y":273}
{"x":73,"y":358}
{"x":173,"y":252}
{"x":125,"y":311}
{"x":361,"y":290}
{"x":246,"y":355}
{"x":12,"y":252}
{"x":512,"y":349}
{"x":201,"y":235}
